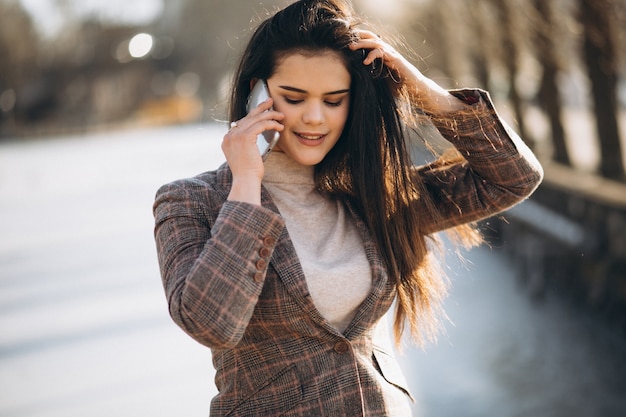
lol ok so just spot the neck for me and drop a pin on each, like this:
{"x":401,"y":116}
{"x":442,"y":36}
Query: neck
{"x":280,"y":168}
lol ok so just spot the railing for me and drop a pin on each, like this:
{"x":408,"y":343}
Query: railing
{"x":571,"y":236}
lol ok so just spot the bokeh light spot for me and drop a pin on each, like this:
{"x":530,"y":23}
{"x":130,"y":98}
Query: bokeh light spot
{"x":140,"y":45}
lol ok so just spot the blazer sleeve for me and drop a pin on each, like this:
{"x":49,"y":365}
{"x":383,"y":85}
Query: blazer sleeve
{"x":498,"y":171}
{"x":213,"y":265}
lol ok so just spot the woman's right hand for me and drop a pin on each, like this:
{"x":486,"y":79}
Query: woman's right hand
{"x":243,"y":156}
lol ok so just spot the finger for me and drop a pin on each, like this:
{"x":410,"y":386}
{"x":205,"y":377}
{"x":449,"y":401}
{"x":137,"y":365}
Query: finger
{"x":367,"y":44}
{"x":247,"y":130}
{"x":374,"y":54}
{"x":255,"y":116}
{"x":367,"y":34}
{"x":264,"y":125}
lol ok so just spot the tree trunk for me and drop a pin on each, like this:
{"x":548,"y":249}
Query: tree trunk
{"x":510,"y":57}
{"x":479,"y":48}
{"x":549,"y":95}
{"x":600,"y":57}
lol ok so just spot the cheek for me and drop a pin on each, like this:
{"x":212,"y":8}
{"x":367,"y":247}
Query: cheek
{"x":341,"y":116}
{"x":288,"y":112}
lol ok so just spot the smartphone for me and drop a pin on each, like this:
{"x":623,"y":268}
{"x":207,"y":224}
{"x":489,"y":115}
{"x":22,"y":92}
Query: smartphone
{"x":266,"y":140}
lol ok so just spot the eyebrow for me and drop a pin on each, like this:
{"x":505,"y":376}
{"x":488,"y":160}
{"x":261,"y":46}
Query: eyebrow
{"x":298,"y":90}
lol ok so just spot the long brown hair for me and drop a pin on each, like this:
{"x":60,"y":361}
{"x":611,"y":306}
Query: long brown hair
{"x":370,"y":166}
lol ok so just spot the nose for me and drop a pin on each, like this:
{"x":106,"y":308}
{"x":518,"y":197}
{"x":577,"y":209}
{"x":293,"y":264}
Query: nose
{"x":313,"y":113}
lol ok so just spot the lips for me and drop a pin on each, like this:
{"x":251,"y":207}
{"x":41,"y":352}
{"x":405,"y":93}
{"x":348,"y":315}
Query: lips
{"x":310,"y":136}
{"x":310,"y":139}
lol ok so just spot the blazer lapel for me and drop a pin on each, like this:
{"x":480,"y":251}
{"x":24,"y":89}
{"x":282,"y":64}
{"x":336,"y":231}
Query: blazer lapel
{"x":287,"y":265}
{"x":381,"y":296}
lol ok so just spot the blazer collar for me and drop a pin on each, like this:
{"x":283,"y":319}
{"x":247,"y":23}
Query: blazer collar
{"x":287,"y":265}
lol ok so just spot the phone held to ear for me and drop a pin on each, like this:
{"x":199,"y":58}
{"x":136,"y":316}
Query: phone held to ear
{"x":266,"y":140}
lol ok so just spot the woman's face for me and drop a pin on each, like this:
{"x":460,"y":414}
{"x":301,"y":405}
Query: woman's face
{"x":312,"y":91}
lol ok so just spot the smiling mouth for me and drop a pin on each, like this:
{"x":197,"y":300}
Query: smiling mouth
{"x":310,"y":137}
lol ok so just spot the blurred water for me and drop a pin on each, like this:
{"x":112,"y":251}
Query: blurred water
{"x":84,"y":328}
{"x":506,"y":355}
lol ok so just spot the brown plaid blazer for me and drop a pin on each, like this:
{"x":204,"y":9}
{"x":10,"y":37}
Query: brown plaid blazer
{"x":234,"y":283}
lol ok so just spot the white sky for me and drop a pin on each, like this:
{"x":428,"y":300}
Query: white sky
{"x":49,"y":18}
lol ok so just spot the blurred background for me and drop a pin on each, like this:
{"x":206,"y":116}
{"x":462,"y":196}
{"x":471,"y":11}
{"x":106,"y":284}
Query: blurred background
{"x":101,"y":102}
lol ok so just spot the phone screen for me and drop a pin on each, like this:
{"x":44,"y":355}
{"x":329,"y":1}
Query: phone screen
{"x":266,"y":140}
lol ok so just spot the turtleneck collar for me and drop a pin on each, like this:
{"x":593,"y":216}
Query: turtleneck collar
{"x":281,"y":169}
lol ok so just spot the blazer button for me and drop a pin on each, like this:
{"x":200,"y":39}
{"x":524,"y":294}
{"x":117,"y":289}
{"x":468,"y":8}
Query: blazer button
{"x":341,"y":347}
{"x":264,"y":252}
{"x":269,"y":241}
{"x":258,"y":277}
{"x":261,"y":264}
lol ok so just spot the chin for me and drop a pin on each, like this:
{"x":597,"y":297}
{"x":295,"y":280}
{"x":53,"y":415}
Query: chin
{"x":307,"y":160}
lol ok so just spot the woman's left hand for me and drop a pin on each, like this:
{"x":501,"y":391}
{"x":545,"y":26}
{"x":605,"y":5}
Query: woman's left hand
{"x":401,"y":70}
{"x":424,"y":91}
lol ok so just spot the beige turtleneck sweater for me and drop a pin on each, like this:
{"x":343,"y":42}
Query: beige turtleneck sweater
{"x":325,"y":237}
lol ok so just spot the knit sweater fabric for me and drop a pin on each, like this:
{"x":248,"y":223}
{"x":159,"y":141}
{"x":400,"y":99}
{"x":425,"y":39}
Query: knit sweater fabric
{"x":325,"y":237}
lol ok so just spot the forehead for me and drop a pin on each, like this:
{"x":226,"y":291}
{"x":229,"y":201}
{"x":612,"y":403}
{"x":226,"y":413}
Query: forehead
{"x":313,"y":71}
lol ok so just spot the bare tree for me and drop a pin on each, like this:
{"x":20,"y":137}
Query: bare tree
{"x":509,"y":24}
{"x":481,"y":46}
{"x":18,"y":49}
{"x":549,"y":97}
{"x":427,"y":30}
{"x":600,"y":55}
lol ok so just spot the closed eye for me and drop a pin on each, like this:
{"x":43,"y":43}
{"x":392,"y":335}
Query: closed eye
{"x":292,"y":101}
{"x":334,"y":103}
{"x":328,"y":102}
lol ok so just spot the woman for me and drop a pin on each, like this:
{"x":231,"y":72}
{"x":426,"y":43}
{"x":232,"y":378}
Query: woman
{"x":286,"y":268}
